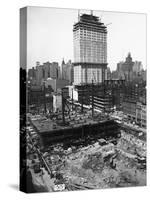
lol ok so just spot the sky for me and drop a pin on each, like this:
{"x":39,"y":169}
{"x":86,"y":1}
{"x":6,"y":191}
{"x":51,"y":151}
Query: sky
{"x":50,"y":35}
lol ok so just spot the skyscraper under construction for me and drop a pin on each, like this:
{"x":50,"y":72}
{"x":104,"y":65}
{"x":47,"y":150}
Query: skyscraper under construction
{"x":90,"y":50}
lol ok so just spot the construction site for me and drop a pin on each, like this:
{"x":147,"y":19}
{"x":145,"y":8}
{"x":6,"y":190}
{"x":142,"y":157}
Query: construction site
{"x":81,"y":125}
{"x":80,"y":148}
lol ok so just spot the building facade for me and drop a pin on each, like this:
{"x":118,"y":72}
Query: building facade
{"x":143,"y":116}
{"x":129,"y":70}
{"x":125,"y":69}
{"x":129,"y":108}
{"x":56,"y":84}
{"x":90,"y":50}
{"x":138,"y":113}
{"x":41,"y":73}
{"x":137,"y":67}
{"x":102,"y":103}
{"x":135,"y":111}
{"x":66,"y":71}
{"x":39,"y":97}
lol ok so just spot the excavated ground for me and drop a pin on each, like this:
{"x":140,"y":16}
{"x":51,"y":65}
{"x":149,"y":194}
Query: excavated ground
{"x":101,"y":166}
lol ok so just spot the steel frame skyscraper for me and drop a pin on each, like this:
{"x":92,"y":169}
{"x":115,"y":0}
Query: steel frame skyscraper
{"x":90,"y":50}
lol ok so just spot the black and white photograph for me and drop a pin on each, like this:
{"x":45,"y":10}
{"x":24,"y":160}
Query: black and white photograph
{"x":83,"y":106}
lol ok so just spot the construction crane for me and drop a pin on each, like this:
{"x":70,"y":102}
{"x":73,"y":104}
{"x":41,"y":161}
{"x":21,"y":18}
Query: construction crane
{"x":92,"y":99}
{"x":108,"y":24}
{"x":44,"y":91}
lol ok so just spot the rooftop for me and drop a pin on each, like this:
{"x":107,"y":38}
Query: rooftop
{"x":87,"y":21}
{"x":89,"y":18}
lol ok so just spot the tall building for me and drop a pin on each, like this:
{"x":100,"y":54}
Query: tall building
{"x":90,"y":50}
{"x":129,"y":70}
{"x":46,"y":70}
{"x":125,"y":69}
{"x":66,"y":70}
{"x":137,"y":67}
{"x":54,"y":70}
{"x":41,"y":73}
{"x":128,"y":64}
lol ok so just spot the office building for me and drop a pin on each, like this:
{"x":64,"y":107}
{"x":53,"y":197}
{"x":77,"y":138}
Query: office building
{"x":90,"y":50}
{"x":137,"y":67}
{"x":66,"y":71}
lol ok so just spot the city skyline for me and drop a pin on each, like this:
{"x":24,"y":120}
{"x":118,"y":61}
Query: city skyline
{"x":47,"y":24}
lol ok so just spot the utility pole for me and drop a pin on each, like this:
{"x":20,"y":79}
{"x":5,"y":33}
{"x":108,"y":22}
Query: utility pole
{"x":72,"y":99}
{"x":105,"y":96}
{"x":63,"y":106}
{"x":82,"y":98}
{"x":92,"y":100}
{"x":44,"y":98}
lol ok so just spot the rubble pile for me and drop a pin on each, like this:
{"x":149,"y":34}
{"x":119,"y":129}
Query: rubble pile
{"x":94,"y":162}
{"x":105,"y":166}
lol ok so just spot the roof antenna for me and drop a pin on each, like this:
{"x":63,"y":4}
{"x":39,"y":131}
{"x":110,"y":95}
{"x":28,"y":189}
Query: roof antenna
{"x":91,"y":12}
{"x":78,"y":15}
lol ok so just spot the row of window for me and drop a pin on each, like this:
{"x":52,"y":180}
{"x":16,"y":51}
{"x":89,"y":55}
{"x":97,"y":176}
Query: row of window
{"x":92,"y":43}
{"x":92,"y":48}
{"x":96,"y":57}
{"x":86,"y":39}
{"x":92,"y":53}
{"x":87,"y":42}
{"x":91,"y":60}
{"x":90,"y":57}
{"x":89,"y":32}
{"x":91,"y":35}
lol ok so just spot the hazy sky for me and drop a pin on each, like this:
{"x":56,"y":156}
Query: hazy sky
{"x":50,"y":35}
